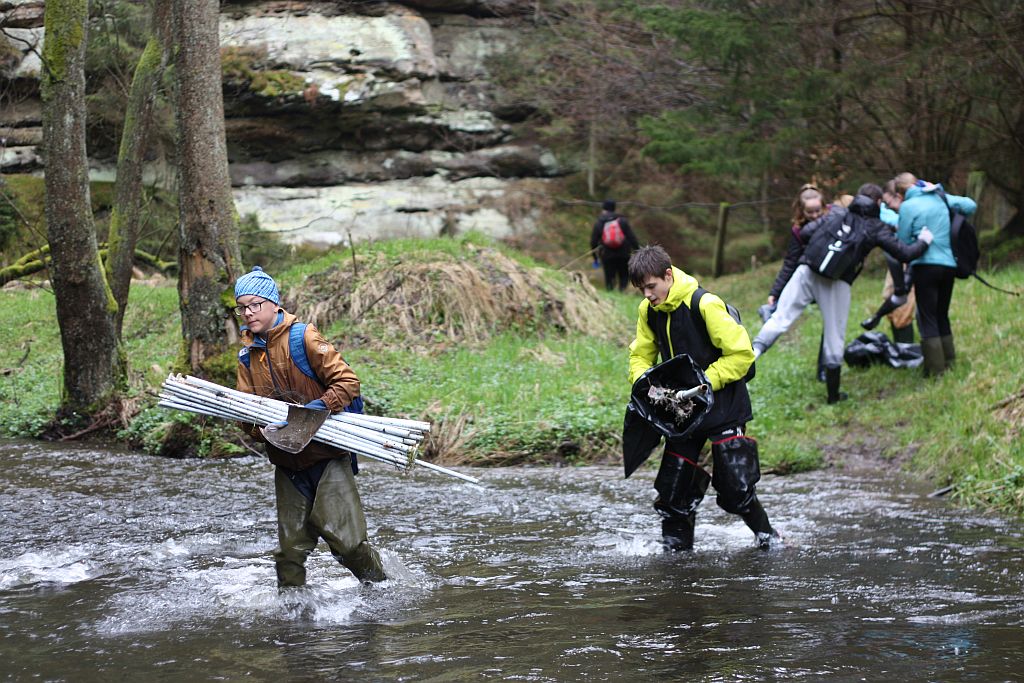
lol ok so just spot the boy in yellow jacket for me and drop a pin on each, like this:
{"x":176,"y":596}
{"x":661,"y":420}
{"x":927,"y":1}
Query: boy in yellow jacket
{"x":677,"y":316}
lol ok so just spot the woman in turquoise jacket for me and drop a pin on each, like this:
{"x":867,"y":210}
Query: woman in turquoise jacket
{"x":934,"y":273}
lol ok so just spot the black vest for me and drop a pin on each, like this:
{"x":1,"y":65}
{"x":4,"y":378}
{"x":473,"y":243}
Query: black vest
{"x":689,"y":334}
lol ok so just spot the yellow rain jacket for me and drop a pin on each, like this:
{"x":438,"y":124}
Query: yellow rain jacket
{"x":724,"y":353}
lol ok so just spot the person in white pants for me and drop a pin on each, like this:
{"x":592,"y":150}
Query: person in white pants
{"x":833,"y":295}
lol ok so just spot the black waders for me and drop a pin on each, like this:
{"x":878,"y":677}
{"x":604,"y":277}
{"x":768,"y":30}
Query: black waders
{"x":681,"y":486}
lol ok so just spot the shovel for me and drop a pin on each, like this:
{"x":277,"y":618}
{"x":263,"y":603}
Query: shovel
{"x":298,"y":431}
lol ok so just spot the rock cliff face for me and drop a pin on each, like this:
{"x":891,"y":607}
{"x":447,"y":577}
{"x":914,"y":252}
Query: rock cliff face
{"x":366,"y":118}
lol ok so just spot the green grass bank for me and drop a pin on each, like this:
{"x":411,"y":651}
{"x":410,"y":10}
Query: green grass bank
{"x":540,"y":377}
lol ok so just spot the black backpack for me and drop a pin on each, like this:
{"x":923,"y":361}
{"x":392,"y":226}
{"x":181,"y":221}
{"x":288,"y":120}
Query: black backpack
{"x":963,"y":239}
{"x":734,"y":313}
{"x":837,"y":246}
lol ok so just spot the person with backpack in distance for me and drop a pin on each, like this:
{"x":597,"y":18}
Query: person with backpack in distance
{"x":837,"y":245}
{"x":315,"y":488}
{"x":926,"y":205}
{"x":678,"y":316}
{"x":612,"y":241}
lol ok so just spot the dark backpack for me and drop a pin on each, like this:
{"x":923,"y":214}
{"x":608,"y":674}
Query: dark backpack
{"x":612,"y":235}
{"x":963,"y":239}
{"x":837,"y":246}
{"x":698,"y":321}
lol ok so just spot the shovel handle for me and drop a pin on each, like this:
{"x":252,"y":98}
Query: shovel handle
{"x":687,"y":393}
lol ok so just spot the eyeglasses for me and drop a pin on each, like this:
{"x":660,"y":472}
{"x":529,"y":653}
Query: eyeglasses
{"x":252,"y":308}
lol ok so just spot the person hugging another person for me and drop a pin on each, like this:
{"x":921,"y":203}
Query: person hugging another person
{"x":832,"y":291}
{"x":926,"y":207}
{"x":809,"y":205}
{"x":898,"y":302}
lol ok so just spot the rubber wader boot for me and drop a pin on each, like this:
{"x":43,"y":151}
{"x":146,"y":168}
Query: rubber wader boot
{"x":887,"y":307}
{"x":903,"y":335}
{"x":677,"y":532}
{"x":757,"y":519}
{"x":948,"y":350}
{"x":934,"y":357}
{"x":832,"y":377}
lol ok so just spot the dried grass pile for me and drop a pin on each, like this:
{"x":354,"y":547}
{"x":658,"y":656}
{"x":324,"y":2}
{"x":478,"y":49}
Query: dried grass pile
{"x":431,"y":300}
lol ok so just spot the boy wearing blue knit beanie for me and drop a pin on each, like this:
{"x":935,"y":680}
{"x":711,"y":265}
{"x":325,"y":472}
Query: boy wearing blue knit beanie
{"x":315,"y":488}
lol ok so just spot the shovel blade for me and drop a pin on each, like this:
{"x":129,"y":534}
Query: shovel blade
{"x":303,"y":424}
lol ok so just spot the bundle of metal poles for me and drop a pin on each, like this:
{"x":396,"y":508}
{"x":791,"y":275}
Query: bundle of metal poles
{"x":389,"y":440}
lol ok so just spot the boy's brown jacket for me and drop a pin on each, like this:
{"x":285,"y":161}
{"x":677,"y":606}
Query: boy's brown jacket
{"x":271,"y":373}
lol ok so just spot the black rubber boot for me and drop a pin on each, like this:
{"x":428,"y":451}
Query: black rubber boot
{"x":757,"y":520}
{"x":903,"y":335}
{"x":887,"y":307}
{"x":832,"y":378}
{"x":677,"y":532}
{"x":948,"y":350}
{"x":934,"y":356}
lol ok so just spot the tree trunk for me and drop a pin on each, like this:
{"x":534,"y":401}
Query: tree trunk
{"x":85,"y":306}
{"x":126,"y":216}
{"x":209,"y":257}
{"x":591,"y":157}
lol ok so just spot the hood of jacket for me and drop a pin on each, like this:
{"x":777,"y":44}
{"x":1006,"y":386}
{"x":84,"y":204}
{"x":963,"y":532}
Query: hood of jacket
{"x":918,"y":190}
{"x":683,"y":287}
{"x":863,"y":205}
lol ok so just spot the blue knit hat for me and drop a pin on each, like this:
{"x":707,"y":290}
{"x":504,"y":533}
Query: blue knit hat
{"x":257,"y":283}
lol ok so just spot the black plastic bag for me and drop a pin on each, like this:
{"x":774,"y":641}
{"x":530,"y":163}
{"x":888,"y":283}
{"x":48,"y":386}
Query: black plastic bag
{"x":646,"y":423}
{"x":873,"y":348}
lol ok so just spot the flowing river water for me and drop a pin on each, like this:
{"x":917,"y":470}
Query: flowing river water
{"x":116,"y":566}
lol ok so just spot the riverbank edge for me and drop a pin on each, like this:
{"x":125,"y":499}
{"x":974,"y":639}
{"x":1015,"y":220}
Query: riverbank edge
{"x":958,"y":430}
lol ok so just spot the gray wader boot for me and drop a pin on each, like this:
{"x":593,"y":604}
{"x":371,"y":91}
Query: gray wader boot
{"x":934,"y":356}
{"x":832,"y":378}
{"x":335,"y":514}
{"x":948,"y":350}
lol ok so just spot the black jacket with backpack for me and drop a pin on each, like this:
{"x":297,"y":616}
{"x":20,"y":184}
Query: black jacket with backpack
{"x":863,"y":214}
{"x":790,"y":261}
{"x":629,"y":245}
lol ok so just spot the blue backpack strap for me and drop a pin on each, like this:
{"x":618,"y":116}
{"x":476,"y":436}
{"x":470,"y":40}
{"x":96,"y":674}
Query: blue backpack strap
{"x":297,"y":350}
{"x":243,"y":356}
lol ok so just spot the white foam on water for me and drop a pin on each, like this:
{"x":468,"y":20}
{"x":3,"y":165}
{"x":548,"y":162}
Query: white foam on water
{"x":639,"y":544}
{"x":68,"y":565}
{"x":244,"y":591}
